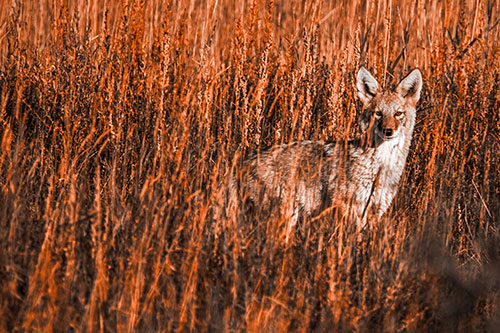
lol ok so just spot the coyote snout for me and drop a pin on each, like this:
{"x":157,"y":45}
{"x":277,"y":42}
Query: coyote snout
{"x":358,"y":178}
{"x":388,"y":125}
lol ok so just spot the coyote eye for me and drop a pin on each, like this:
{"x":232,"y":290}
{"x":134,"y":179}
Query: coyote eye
{"x":378,"y":114}
{"x":398,"y":114}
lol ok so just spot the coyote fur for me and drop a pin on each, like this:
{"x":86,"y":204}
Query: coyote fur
{"x":357,"y":179}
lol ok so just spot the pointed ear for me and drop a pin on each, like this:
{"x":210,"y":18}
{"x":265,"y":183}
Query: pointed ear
{"x":409,"y":88}
{"x":367,"y":86}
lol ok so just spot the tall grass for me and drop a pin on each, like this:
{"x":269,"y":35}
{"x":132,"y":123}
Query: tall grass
{"x":120,"y":120}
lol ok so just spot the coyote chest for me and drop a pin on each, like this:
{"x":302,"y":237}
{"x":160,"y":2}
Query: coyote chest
{"x":374,"y":178}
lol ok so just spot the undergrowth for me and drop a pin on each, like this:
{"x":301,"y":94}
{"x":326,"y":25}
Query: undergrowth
{"x":120,"y":120}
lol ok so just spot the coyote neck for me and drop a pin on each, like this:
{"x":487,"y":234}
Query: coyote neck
{"x":377,"y":168}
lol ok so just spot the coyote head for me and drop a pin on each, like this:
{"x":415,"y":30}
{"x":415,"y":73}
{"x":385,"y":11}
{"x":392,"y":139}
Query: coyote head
{"x":387,"y":113}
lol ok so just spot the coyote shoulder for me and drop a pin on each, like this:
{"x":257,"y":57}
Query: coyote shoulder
{"x":358,"y":178}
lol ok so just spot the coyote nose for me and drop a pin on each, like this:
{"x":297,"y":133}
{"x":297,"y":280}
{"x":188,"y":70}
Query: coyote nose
{"x":387,"y":131}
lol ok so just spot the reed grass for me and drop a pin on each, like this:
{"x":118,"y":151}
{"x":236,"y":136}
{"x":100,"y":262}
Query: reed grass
{"x":120,"y":120}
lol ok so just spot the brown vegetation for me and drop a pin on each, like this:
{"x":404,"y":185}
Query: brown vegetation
{"x":119,"y":120}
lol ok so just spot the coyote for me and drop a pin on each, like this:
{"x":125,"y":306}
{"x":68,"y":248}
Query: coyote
{"x":357,"y":179}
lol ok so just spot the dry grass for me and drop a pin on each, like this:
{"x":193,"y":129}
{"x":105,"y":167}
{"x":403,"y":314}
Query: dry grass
{"x":120,"y":119}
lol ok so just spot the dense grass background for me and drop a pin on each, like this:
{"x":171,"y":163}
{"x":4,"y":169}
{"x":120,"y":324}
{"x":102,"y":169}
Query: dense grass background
{"x":120,"y":120}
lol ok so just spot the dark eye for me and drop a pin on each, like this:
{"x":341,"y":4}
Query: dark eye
{"x":398,"y":114}
{"x":378,"y":114}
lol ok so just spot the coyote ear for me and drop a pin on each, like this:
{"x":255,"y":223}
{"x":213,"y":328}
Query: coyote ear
{"x":367,"y":86}
{"x":409,"y":88}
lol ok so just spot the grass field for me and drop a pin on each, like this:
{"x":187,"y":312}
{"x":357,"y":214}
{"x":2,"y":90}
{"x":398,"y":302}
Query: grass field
{"x":120,"y":120}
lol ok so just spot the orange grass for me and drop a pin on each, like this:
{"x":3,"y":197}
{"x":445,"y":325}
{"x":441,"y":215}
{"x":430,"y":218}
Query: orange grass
{"x":120,"y":120}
